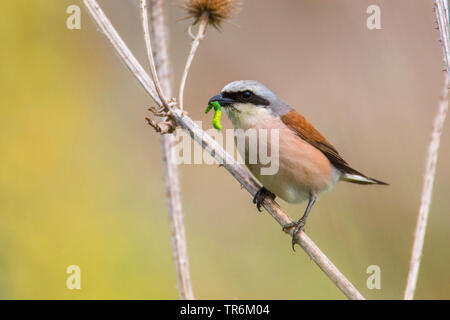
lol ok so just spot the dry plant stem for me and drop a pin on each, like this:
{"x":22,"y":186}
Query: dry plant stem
{"x":432,"y":156}
{"x":148,"y":45}
{"x":427,"y":189}
{"x":161,"y":62}
{"x":194,"y":46}
{"x":442,"y":16}
{"x":209,"y":144}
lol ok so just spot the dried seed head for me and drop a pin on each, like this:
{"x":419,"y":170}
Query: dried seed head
{"x":216,"y":11}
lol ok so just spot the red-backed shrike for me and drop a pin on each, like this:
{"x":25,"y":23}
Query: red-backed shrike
{"x":308,"y":163}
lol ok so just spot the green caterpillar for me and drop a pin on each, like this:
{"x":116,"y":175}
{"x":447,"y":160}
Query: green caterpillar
{"x":217,"y":114}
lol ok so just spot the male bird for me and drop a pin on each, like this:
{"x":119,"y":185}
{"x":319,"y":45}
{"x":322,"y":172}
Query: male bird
{"x":308,"y":163}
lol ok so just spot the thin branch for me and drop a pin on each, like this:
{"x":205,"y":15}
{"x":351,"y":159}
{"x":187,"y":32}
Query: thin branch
{"x":148,"y":45}
{"x":432,"y":156}
{"x":442,"y":16}
{"x":194,"y":46}
{"x":116,"y":41}
{"x":427,"y":190}
{"x":179,"y":243}
{"x":209,"y":144}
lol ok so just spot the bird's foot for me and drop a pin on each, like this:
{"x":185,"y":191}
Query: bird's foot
{"x":299,"y":226}
{"x":260,"y":195}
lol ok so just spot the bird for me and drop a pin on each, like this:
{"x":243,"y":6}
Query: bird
{"x":308,"y":164}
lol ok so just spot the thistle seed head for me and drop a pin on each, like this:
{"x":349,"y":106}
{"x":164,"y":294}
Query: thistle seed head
{"x":215,"y":11}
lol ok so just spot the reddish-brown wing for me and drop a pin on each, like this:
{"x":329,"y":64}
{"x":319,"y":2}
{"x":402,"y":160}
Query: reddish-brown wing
{"x":305,"y":130}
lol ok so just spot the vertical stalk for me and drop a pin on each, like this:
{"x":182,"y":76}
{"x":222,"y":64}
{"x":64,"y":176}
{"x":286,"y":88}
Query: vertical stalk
{"x":427,"y":190}
{"x":159,"y":34}
{"x":441,"y":9}
{"x":194,"y":46}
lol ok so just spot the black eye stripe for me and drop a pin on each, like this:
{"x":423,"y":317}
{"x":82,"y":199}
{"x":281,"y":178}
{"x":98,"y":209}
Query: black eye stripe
{"x":254,"y":99}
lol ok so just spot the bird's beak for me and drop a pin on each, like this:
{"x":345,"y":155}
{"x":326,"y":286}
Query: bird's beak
{"x":224,"y":102}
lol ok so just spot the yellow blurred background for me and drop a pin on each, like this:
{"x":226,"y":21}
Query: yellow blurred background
{"x":81,"y":177}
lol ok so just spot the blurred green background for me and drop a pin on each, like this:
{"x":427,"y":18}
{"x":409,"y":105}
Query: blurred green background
{"x":81,"y":177}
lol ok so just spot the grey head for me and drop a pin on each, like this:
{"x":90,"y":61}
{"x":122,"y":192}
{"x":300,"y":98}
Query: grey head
{"x":251,"y":92}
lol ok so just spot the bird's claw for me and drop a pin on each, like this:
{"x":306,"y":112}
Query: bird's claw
{"x":299,"y":226}
{"x":258,"y":199}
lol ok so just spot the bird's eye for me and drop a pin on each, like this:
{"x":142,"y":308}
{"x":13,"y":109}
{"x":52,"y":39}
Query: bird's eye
{"x":247,"y":94}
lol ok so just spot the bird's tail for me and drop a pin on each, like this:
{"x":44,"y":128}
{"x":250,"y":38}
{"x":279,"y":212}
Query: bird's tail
{"x":361,"y":179}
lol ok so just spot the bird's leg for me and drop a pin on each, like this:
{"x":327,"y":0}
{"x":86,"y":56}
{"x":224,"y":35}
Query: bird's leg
{"x":300,"y":224}
{"x":260,"y":195}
